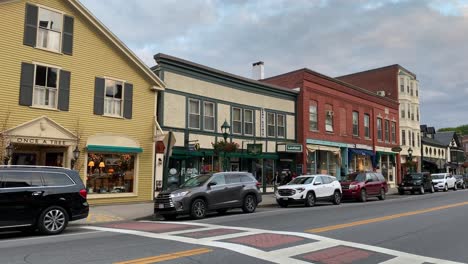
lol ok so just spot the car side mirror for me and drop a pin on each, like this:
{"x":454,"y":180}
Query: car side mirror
{"x":317,"y":183}
{"x":212,"y":184}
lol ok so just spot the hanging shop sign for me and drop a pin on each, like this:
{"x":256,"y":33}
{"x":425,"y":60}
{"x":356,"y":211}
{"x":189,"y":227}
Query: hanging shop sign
{"x":297,"y":148}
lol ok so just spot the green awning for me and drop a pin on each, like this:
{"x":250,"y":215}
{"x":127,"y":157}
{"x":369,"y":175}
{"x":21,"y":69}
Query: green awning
{"x":113,"y":149}
{"x":182,"y":153}
{"x":187,"y":153}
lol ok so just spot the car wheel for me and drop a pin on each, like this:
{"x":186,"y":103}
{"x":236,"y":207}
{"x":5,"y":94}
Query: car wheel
{"x":198,"y":209}
{"x":382,"y":194}
{"x":250,"y":204}
{"x":221,"y":211}
{"x":52,"y":220}
{"x":401,"y":192}
{"x":421,"y":189}
{"x":283,"y":204}
{"x":337,"y":198}
{"x":310,"y":199}
{"x":432,"y":189}
{"x":363,"y":197}
{"x":445,"y":188}
{"x":169,"y":217}
{"x":455,"y":187}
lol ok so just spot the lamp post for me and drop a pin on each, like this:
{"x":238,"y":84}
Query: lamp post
{"x":76,"y":156}
{"x":9,"y":153}
{"x":410,"y":159}
{"x":226,"y":129}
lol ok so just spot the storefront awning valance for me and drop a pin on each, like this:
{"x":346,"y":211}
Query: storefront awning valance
{"x":113,"y":149}
{"x":188,"y":153}
{"x":364,"y":152}
{"x":313,"y":148}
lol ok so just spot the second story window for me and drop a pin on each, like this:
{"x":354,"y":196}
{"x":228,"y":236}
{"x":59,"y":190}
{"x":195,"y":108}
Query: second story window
{"x":328,"y":118}
{"x":281,"y":125}
{"x":355,"y":123}
{"x":313,"y":122}
{"x":113,"y":98}
{"x":209,"y":116}
{"x":411,"y":88}
{"x":271,"y":125}
{"x":393,"y":132}
{"x":379,"y":129}
{"x":417,"y":113}
{"x":419,"y":142}
{"x":403,"y":138}
{"x":45,"y":87}
{"x":236,"y":120}
{"x":409,"y":110}
{"x":248,"y":122}
{"x":49,"y":33}
{"x":194,"y":114}
{"x":402,"y":85}
{"x":414,"y":145}
{"x":367,"y":126}
{"x":387,"y":131}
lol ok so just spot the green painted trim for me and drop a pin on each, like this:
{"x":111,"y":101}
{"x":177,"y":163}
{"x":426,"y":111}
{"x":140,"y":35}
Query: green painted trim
{"x":99,"y":148}
{"x":204,"y":75}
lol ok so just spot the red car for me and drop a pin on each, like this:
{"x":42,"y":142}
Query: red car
{"x":361,"y":185}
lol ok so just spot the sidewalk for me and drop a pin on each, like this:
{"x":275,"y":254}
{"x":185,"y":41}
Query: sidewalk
{"x":125,"y":212}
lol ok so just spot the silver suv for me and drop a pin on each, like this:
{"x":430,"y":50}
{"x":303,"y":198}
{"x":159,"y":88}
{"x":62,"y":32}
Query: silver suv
{"x":210,"y":192}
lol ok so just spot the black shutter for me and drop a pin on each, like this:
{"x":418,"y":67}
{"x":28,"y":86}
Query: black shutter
{"x":26,"y":84}
{"x":30,"y":25}
{"x":64,"y":91}
{"x":67,"y":37}
{"x":99,"y":86}
{"x":128,"y":100}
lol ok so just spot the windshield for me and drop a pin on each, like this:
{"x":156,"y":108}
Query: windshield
{"x":438,"y":176}
{"x":302,"y":180}
{"x":410,"y":177}
{"x":359,"y":177}
{"x":196,"y":181}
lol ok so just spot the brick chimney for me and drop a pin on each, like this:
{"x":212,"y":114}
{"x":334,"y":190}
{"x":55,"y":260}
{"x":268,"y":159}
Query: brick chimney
{"x":258,"y":70}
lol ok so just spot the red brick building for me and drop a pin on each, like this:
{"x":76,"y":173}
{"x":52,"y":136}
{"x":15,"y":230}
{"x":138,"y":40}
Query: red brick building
{"x":342,"y":127}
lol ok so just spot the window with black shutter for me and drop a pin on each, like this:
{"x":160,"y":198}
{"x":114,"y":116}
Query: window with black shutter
{"x":113,"y":98}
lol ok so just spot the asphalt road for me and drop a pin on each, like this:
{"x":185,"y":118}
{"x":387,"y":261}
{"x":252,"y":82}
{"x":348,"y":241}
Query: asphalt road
{"x":430,"y":228}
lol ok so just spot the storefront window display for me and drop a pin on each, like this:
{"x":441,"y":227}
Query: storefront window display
{"x":360,"y":163}
{"x":110,"y":173}
{"x":387,"y":167}
{"x":269,"y":171}
{"x":323,"y":162}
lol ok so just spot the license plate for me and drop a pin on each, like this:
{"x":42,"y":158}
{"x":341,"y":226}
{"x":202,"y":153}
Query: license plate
{"x":407,"y":188}
{"x":161,"y":206}
{"x":284,"y":198}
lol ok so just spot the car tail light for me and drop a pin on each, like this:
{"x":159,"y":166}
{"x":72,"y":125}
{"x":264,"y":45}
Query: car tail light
{"x":258,"y":185}
{"x":83,"y":193}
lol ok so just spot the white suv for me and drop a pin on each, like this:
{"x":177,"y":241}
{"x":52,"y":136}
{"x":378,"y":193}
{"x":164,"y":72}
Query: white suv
{"x":444,"y":181}
{"x":308,"y":189}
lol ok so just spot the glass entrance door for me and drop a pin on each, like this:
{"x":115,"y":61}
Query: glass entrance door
{"x":54,"y":159}
{"x":24,"y":159}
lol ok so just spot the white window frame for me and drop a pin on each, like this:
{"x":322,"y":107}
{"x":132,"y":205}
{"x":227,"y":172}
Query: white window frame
{"x":403,"y":137}
{"x":387,"y":130}
{"x":278,"y":126}
{"x":367,"y":133}
{"x":380,"y":134}
{"x":59,"y":69}
{"x":236,"y":121}
{"x":269,"y":125}
{"x":121,"y":100}
{"x":313,"y":115}
{"x":356,"y":124}
{"x":393,"y":131}
{"x":329,"y":121}
{"x":190,"y":113}
{"x":41,"y":7}
{"x":207,"y":116}
{"x":246,"y":122}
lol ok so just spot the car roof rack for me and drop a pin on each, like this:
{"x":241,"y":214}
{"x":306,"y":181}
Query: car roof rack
{"x":33,"y":167}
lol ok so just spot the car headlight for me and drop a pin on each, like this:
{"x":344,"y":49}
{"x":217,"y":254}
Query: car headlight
{"x":300,"y":189}
{"x":179,"y":194}
{"x":353,"y":187}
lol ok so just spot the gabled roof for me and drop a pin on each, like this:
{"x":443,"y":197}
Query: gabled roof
{"x":160,"y":85}
{"x":445,"y":137}
{"x":423,"y":128}
{"x":382,"y":68}
{"x":432,"y":142}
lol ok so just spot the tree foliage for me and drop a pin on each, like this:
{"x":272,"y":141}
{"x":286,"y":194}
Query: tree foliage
{"x":462,"y":130}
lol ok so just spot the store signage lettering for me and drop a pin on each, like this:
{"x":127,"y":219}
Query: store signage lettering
{"x":262,"y":122}
{"x":294,"y":148}
{"x":41,"y":141}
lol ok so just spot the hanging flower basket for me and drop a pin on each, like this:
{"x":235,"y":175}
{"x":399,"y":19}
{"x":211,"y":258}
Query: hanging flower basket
{"x":223,"y":146}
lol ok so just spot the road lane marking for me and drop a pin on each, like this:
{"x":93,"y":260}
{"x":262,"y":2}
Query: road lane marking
{"x":383,"y":218}
{"x":165,"y":257}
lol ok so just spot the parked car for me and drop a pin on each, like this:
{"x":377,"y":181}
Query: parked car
{"x":444,"y":181}
{"x":361,"y":185}
{"x":209,"y":192}
{"x":460,"y":181}
{"x":43,"y":198}
{"x":308,"y":189}
{"x":416,"y":182}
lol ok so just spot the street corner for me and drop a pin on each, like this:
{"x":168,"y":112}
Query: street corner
{"x":342,"y":255}
{"x":97,"y":218}
{"x":153,"y":227}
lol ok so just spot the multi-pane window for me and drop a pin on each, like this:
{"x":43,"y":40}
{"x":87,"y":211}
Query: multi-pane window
{"x":412,"y":113}
{"x":194,"y":114}
{"x":413,"y":140}
{"x":411,"y":88}
{"x":379,"y":128}
{"x":355,"y":123}
{"x":248,"y":122}
{"x":113,"y":98}
{"x":281,"y":125}
{"x":329,"y":121}
{"x":313,"y":122}
{"x":402,"y":111}
{"x":270,"y":124}
{"x":49,"y":33}
{"x":236,"y":120}
{"x":417,"y":113}
{"x":393,"y":132}
{"x":408,"y":107}
{"x":366,"y":126}
{"x":402,"y":85}
{"x":209,"y":116}
{"x":403,"y":137}
{"x":387,"y":130}
{"x":45,"y":86}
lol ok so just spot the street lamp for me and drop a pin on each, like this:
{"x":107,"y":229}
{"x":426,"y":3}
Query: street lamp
{"x":410,"y":159}
{"x":226,"y":129}
{"x":76,"y":156}
{"x":9,"y":153}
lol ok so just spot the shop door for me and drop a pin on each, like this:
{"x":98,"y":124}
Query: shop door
{"x":54,"y":159}
{"x":24,"y":159}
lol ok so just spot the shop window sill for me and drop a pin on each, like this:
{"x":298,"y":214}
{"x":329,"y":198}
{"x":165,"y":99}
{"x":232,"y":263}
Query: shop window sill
{"x":113,"y":116}
{"x":44,"y":108}
{"x":93,"y":196}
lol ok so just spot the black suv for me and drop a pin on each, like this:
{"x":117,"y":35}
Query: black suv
{"x":43,"y":198}
{"x":416,"y":182}
{"x":210,"y":192}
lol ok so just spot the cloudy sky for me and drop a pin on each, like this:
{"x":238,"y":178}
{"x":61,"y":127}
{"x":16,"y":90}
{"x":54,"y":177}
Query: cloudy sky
{"x":333,"y":37}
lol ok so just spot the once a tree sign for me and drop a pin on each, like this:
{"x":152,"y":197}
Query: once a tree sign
{"x":397,"y":149}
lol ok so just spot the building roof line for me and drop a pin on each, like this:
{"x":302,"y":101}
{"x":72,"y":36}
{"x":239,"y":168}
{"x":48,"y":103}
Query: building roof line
{"x":378,"y":69}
